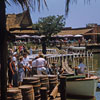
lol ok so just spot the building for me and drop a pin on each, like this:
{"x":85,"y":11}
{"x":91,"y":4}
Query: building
{"x":95,"y":27}
{"x":18,"y":24}
{"x":21,"y":20}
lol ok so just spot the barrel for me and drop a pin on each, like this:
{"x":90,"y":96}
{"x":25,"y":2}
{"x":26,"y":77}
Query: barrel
{"x":44,"y":81}
{"x":35,"y":82}
{"x":27,"y":92}
{"x":27,"y":80}
{"x":53,"y":80}
{"x":14,"y":94}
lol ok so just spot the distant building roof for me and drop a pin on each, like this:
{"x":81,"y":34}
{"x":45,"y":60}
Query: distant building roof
{"x":18,"y":20}
{"x":21,"y":32}
{"x":75,"y":31}
{"x":91,"y":34}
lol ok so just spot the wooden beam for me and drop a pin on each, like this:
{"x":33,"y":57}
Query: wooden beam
{"x":54,"y":92}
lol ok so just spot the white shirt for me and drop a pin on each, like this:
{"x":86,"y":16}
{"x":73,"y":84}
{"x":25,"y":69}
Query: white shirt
{"x":40,"y":62}
{"x":26,"y":61}
{"x":16,"y":63}
{"x":30,"y":66}
{"x":81,"y":67}
{"x":34,"y":63}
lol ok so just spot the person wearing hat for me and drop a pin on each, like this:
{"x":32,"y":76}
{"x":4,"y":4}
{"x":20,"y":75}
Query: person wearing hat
{"x":54,"y":68}
{"x":29,"y":67}
{"x":15,"y":73}
{"x":25,"y":62}
{"x":21,"y":73}
{"x":81,"y":67}
{"x":40,"y":64}
{"x":15,"y":59}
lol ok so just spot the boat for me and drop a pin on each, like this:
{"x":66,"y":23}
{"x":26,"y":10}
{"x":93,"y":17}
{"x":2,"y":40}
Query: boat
{"x":81,"y":86}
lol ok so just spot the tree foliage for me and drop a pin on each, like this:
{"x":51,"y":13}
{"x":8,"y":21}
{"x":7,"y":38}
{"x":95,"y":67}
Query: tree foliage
{"x":51,"y":25}
{"x":68,"y":2}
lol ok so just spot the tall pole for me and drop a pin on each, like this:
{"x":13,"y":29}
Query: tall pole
{"x":3,"y":51}
{"x":63,"y":91}
{"x":87,"y":64}
{"x":92,"y":61}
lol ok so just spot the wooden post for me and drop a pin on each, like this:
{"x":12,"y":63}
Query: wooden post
{"x":63,"y":87}
{"x":3,"y":51}
{"x":43,"y":92}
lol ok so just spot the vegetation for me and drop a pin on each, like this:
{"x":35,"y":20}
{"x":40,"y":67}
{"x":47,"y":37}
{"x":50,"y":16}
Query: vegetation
{"x":49,"y":26}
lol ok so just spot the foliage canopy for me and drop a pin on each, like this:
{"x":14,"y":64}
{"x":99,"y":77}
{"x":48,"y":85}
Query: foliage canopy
{"x":51,"y":25}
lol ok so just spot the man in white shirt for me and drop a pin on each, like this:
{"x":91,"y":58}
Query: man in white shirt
{"x":40,"y":64}
{"x":34,"y":68}
{"x":81,"y":67}
{"x":25,"y":63}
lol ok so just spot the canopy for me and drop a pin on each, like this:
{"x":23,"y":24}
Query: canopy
{"x":17,"y":36}
{"x":36,"y":36}
{"x":78,"y":35}
{"x":25,"y":36}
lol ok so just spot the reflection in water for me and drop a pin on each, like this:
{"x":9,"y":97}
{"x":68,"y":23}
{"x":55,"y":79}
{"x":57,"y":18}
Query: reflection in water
{"x":94,"y":64}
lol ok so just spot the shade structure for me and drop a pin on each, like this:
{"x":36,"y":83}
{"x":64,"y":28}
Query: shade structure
{"x":69,"y":35}
{"x":78,"y":35}
{"x":17,"y":36}
{"x":25,"y":36}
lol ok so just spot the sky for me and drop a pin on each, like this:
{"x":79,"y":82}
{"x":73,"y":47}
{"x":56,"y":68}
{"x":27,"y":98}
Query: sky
{"x":79,"y":15}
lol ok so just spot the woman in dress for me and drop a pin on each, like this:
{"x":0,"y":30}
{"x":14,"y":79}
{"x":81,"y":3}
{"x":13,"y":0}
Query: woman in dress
{"x":21,"y":69}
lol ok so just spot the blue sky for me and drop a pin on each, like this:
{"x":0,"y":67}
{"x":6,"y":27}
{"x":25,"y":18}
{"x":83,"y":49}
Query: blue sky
{"x":79,"y":15}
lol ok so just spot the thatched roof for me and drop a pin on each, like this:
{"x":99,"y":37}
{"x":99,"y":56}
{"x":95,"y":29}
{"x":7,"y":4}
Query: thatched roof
{"x":87,"y":34}
{"x":30,"y":31}
{"x":22,"y":32}
{"x":75,"y":31}
{"x":18,"y":20}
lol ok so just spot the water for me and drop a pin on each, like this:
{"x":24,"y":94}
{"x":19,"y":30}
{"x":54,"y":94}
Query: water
{"x":94,"y":64}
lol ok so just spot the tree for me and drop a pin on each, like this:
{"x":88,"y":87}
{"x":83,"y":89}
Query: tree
{"x":49,"y":26}
{"x":4,"y":40}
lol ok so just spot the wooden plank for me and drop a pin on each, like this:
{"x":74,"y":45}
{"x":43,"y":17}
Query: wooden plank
{"x":54,"y":92}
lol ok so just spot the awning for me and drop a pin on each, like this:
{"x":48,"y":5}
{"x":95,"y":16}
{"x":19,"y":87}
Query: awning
{"x":78,"y":35}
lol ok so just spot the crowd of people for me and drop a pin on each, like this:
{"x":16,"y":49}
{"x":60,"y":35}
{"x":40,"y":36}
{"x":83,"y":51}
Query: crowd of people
{"x":21,"y":66}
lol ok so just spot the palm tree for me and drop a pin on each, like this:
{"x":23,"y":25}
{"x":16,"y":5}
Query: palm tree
{"x":4,"y":38}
